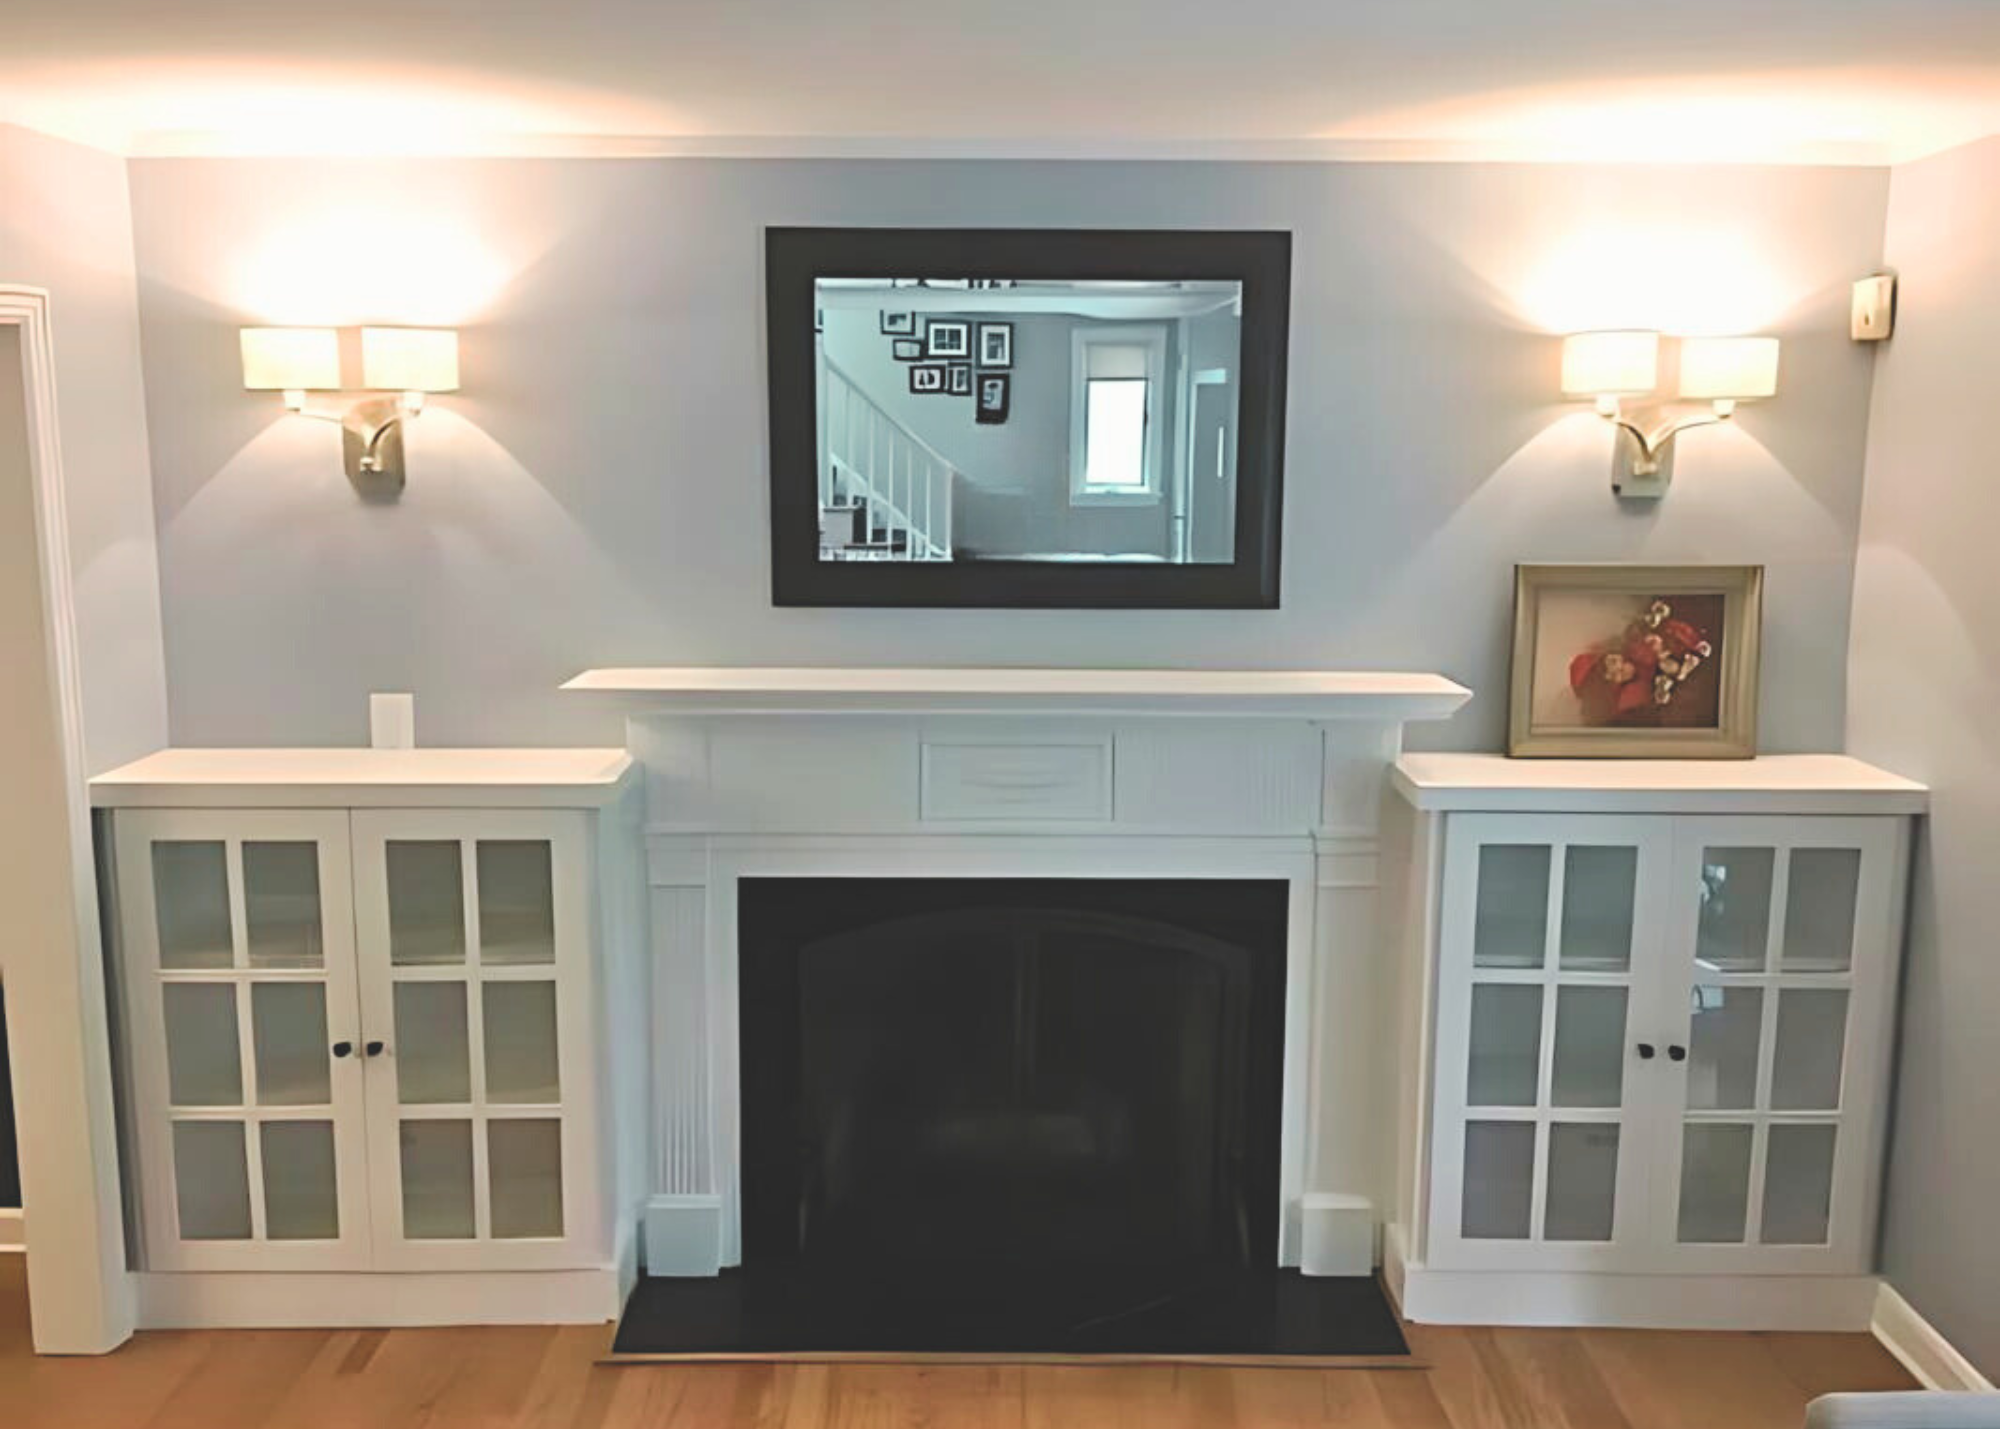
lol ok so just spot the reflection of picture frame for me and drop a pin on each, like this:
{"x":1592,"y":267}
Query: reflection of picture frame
{"x":927,"y":377}
{"x":958,"y":379}
{"x":947,"y":337}
{"x":899,"y":324}
{"x":1635,"y":662}
{"x":907,"y":349}
{"x":992,"y":394}
{"x":996,"y":344}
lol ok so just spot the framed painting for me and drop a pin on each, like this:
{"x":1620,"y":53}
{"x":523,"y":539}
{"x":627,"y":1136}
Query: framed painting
{"x":1635,"y":662}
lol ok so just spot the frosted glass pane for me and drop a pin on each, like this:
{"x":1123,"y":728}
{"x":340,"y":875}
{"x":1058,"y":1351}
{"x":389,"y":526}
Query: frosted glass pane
{"x":521,"y":1042}
{"x":1511,"y":923}
{"x":517,"y":911}
{"x":437,"y":1180}
{"x":211,"y":1180}
{"x":1812,"y":1035}
{"x":1505,"y":1062}
{"x":1590,"y":1047}
{"x":433,"y":1060}
{"x":1735,"y":926}
{"x":1715,"y":1183}
{"x":301,"y":1191}
{"x":1599,"y":886}
{"x":524,"y":1165}
{"x":1115,"y":434}
{"x":1798,"y":1185}
{"x":288,"y":1029}
{"x":1583,"y":1182}
{"x":191,"y":904}
{"x":1499,"y":1180}
{"x":426,"y":902}
{"x":204,"y":1060}
{"x":1819,"y":910}
{"x":281,"y":923}
{"x":1722,"y":1054}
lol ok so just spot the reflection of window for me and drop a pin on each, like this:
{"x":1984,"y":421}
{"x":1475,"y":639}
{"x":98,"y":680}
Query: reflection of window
{"x":1116,"y":416}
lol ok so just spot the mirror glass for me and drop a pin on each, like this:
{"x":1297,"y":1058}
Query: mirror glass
{"x":1083,"y":421}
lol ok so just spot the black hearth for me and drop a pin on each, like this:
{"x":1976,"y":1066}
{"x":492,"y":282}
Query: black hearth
{"x":1011,"y":1115}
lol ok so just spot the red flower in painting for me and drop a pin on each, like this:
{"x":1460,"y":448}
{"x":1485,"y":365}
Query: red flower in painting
{"x":1640,"y":669}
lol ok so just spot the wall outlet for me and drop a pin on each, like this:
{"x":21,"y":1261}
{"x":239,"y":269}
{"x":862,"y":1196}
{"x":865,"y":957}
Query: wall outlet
{"x":1874,"y":316}
{"x":392,"y":721}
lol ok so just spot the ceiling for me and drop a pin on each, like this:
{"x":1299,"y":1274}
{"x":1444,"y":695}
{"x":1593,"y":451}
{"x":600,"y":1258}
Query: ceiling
{"x":1745,"y":80}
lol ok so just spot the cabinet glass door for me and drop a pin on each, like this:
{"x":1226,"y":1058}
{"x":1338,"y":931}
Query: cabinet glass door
{"x":1541,"y":977}
{"x":238,"y":978}
{"x":473,"y":942}
{"x":1782,"y":939}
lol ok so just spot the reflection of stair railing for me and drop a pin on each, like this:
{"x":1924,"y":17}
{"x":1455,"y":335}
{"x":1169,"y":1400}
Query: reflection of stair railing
{"x":885,"y":493}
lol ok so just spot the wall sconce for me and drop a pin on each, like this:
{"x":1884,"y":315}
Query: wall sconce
{"x":1617,"y":368}
{"x":406,"y":361}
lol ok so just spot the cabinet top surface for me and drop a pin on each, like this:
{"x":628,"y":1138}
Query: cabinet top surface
{"x":550,"y":778}
{"x":1312,"y":694}
{"x":1776,"y":783}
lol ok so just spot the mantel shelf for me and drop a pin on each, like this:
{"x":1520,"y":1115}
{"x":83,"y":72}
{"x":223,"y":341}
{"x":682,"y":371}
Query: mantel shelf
{"x":1300,"y":694}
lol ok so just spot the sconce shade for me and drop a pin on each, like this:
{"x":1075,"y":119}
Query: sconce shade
{"x":291,"y":359}
{"x":1607,"y":364}
{"x":1729,"y":368}
{"x":409,"y":359}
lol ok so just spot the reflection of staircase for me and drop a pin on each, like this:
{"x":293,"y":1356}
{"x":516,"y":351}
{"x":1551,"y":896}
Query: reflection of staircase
{"x":885,"y":494}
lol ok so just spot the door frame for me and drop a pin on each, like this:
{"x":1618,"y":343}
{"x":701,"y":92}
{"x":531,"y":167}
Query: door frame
{"x":80,"y":1293}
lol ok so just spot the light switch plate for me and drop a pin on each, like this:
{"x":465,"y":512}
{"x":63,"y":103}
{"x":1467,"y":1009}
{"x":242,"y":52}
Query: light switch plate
{"x":1874,"y":316}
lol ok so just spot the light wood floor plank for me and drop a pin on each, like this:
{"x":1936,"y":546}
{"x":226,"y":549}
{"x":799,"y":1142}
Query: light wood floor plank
{"x":550,"y":1378}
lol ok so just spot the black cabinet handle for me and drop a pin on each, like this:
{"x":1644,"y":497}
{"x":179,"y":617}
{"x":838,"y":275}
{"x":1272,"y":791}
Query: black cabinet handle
{"x":1646,"y":1051}
{"x":343,"y":1049}
{"x":1678,"y":1052}
{"x":373,"y":1049}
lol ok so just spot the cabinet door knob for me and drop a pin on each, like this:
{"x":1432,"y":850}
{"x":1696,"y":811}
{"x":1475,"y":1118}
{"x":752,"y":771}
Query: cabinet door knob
{"x":1646,"y":1051}
{"x":373,"y":1049}
{"x":1677,"y":1052}
{"x":343,"y":1049}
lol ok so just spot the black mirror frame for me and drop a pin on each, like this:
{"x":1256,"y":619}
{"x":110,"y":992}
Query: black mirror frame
{"x":795,"y":257}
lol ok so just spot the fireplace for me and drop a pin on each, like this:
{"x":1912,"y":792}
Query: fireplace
{"x":973,"y":1077}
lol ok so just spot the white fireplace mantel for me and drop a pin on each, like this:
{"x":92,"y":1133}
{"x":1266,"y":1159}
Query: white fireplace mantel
{"x":1389,"y":697}
{"x":757,"y":773}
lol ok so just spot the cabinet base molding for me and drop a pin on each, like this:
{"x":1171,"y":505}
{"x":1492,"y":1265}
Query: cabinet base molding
{"x":228,"y":1300}
{"x":1924,"y":1352}
{"x":1576,"y":1300}
{"x":13,"y":1229}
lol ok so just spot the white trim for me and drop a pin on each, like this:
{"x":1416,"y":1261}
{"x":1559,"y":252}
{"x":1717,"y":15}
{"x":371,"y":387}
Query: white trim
{"x":1922,"y":1349}
{"x":366,"y":778}
{"x":13,"y":1230}
{"x":341,"y":1300}
{"x":79,"y":1292}
{"x":1588,"y":148}
{"x":1562,"y":1299}
{"x":1769,"y":784}
{"x":683,"y":1235}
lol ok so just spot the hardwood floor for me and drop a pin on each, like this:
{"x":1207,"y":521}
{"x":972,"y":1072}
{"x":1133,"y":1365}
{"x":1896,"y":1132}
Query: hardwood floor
{"x":514,"y":1378}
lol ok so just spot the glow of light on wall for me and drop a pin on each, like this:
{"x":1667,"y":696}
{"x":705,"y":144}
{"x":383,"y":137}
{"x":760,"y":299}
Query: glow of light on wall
{"x":354,"y":264}
{"x":1663,"y":274}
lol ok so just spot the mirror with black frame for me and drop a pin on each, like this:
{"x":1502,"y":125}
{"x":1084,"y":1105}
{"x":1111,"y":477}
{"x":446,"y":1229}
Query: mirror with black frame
{"x":1020,"y":417}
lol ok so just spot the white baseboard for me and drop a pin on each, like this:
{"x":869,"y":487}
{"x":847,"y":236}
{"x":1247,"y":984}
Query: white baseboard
{"x":13,"y":1230}
{"x":1632,"y":1302}
{"x":228,"y":1300}
{"x":1924,"y":1352}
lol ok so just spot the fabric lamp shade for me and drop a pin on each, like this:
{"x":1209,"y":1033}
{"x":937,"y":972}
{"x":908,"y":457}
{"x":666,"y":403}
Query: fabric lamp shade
{"x":1729,"y":368}
{"x":1603,"y":364}
{"x":409,"y":359}
{"x":291,"y":359}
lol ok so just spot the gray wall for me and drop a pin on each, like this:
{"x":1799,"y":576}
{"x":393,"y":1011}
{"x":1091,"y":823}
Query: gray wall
{"x":597,"y":494}
{"x":1924,"y":699}
{"x":65,"y":226}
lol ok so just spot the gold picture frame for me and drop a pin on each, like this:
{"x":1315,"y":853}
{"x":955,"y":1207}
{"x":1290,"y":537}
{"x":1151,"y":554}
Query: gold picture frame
{"x":1635,"y":662}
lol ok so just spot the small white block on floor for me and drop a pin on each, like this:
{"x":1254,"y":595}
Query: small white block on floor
{"x":1339,"y":1234}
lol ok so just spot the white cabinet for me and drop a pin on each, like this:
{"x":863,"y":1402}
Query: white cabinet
{"x":365,"y":1039}
{"x":1655,"y":1040}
